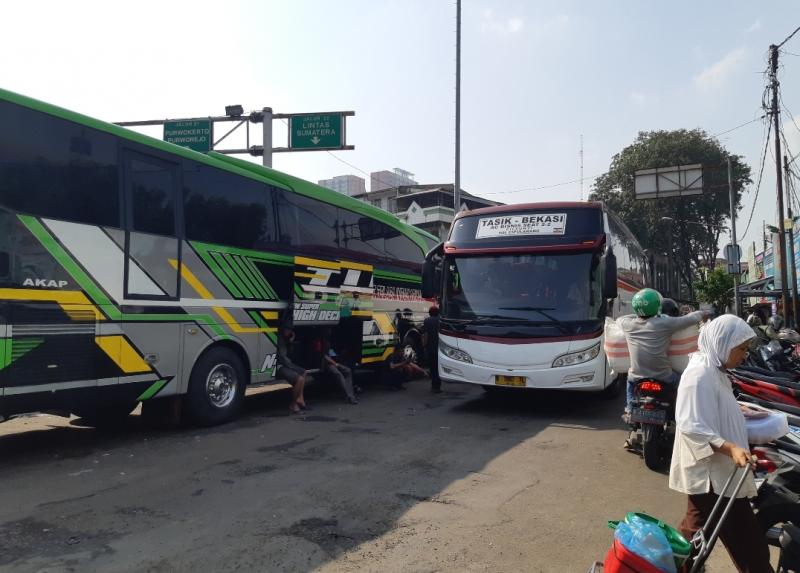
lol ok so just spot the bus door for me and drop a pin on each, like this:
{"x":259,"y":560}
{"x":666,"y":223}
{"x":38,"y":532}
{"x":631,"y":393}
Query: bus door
{"x":149,"y":349}
{"x":152,"y":247}
{"x":5,"y":346}
{"x":5,"y":350}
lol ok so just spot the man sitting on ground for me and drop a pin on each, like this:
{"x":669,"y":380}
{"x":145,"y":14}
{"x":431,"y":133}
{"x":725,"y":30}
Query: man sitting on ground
{"x":402,"y":369}
{"x":341,"y":373}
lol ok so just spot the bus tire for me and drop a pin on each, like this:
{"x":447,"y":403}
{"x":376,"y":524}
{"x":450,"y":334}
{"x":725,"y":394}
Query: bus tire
{"x":108,"y":416}
{"x":412,"y":348}
{"x":216,"y":387}
{"x":613,"y":390}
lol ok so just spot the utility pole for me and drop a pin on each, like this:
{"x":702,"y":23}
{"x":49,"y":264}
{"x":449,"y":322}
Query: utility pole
{"x":779,"y":176}
{"x":736,"y":301}
{"x":581,"y":167}
{"x":267,"y":157}
{"x":457,"y":185}
{"x":795,"y":313}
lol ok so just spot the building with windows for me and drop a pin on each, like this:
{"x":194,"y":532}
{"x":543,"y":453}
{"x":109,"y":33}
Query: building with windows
{"x":390,"y":179}
{"x":429,"y":207}
{"x":347,"y":184}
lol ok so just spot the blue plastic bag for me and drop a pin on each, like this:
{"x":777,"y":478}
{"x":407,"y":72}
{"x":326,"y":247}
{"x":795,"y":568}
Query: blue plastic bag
{"x":648,"y":542}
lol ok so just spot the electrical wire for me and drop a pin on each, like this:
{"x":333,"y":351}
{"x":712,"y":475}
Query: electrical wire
{"x":760,"y":175}
{"x":789,"y":37}
{"x":541,"y":187}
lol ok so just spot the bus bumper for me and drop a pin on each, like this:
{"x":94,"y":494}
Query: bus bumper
{"x":589,"y":376}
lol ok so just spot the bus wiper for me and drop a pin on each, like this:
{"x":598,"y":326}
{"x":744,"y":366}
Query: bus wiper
{"x":541,"y":310}
{"x":500,"y":317}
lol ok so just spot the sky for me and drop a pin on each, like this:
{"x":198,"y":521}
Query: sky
{"x":535,"y":77}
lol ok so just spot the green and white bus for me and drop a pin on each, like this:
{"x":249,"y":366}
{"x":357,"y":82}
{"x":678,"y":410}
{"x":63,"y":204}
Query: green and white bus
{"x":133,"y":270}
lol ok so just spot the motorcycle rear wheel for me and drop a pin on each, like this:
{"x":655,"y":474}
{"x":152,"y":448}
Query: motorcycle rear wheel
{"x":654,"y":451}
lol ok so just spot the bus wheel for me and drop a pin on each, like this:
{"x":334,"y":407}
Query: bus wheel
{"x":107,"y":416}
{"x":412,"y":349}
{"x":614,"y":389}
{"x":216,"y":387}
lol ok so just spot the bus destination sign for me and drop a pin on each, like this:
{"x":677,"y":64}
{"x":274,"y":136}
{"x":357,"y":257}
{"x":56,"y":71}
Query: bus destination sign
{"x":521,"y":225}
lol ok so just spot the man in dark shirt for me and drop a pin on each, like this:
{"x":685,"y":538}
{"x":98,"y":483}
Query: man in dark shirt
{"x":430,"y":330}
{"x":291,"y":372}
{"x":341,"y":373}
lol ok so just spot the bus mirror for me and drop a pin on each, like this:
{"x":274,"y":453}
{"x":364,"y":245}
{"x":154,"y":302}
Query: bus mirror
{"x":610,"y":278}
{"x":432,"y":272}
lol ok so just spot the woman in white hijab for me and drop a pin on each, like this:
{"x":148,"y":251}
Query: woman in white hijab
{"x":711,"y":438}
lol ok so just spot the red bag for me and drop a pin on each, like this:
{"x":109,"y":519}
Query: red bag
{"x":620,"y":560}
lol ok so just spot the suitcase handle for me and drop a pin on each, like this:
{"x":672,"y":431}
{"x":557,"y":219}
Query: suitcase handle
{"x":703,"y":545}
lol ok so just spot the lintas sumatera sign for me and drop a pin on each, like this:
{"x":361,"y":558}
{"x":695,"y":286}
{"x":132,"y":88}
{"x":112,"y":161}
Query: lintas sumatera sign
{"x":317,"y":131}
{"x":521,"y":225}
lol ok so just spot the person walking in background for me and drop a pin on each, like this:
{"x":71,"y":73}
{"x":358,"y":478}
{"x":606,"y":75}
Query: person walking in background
{"x":711,"y":439}
{"x":430,"y":334}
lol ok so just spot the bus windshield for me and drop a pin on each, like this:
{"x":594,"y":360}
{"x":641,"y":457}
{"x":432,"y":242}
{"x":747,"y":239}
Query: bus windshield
{"x":529,"y":288}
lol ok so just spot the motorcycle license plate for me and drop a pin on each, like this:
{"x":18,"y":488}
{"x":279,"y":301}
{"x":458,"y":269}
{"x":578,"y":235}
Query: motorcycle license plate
{"x":648,"y":416}
{"x":510,"y":380}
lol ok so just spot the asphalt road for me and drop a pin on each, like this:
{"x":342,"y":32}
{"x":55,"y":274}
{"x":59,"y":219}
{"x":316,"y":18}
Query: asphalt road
{"x":404,"y":481}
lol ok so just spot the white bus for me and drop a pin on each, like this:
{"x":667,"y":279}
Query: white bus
{"x":525,"y":290}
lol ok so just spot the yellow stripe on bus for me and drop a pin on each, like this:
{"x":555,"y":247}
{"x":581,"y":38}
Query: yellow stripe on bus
{"x":356,"y":266}
{"x":226,"y":316}
{"x":122,"y":353}
{"x":386,"y":354}
{"x":311,"y":275}
{"x":270,"y":314}
{"x":73,"y":302}
{"x":316,"y":263}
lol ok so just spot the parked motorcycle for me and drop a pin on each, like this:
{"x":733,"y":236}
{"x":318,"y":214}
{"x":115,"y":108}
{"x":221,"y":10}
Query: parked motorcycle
{"x":652,"y":419}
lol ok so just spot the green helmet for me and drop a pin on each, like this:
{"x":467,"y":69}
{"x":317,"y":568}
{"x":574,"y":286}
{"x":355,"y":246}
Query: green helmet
{"x":646,"y":303}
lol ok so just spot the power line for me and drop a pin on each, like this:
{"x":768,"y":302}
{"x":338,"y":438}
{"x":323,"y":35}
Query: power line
{"x":760,"y":175}
{"x":789,"y":37}
{"x":561,"y":184}
{"x":786,"y":109}
{"x":541,"y":187}
{"x":738,"y":126}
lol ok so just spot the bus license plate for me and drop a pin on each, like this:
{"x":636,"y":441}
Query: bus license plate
{"x":648,"y":416}
{"x":510,"y":380}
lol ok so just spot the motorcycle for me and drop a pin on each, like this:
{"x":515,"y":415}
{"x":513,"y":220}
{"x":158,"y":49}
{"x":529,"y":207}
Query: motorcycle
{"x":652,"y":418}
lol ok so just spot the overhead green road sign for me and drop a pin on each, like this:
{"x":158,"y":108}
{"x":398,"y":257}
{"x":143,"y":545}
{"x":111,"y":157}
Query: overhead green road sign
{"x":317,"y":131}
{"x":195,"y":134}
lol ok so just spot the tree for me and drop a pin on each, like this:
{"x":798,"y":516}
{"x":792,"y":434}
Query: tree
{"x":716,"y":288}
{"x":697,"y":220}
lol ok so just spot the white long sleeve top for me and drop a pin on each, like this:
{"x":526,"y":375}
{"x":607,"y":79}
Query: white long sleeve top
{"x":706,"y":415}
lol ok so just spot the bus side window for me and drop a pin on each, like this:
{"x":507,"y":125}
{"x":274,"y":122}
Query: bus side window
{"x":52,"y":167}
{"x":5,"y":265}
{"x":398,"y":246}
{"x":228,"y":209}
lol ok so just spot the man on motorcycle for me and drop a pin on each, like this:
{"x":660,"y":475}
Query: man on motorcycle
{"x":648,"y":333}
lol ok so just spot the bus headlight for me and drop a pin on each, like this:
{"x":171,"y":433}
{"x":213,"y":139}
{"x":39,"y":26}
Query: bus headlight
{"x":579,"y":357}
{"x":454,"y":353}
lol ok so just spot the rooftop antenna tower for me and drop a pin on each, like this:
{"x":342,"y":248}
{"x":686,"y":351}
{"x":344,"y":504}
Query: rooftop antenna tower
{"x":581,"y":160}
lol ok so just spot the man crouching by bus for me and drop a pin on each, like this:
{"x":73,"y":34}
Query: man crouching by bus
{"x":291,"y":372}
{"x":648,"y":334}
